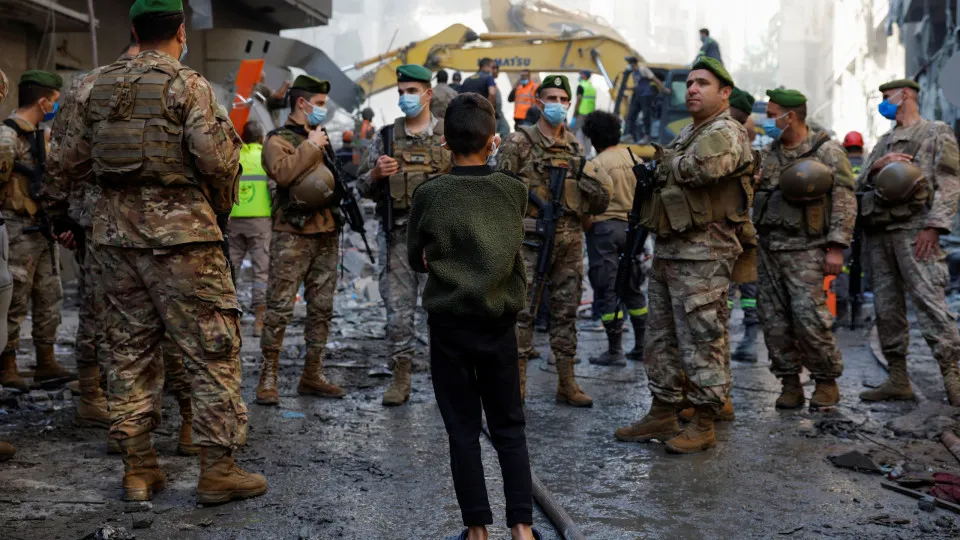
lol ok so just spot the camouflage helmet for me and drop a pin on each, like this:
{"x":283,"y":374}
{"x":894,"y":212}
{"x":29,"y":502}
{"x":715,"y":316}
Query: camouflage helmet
{"x":897,"y":181}
{"x":314,"y":191}
{"x":806,"y":180}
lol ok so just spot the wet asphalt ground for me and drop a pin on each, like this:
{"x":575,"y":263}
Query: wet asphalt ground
{"x":353,"y":469}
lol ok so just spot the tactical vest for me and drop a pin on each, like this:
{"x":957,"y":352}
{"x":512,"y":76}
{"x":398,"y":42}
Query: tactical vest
{"x":536,"y":170}
{"x":875,"y":213}
{"x":420,"y":159}
{"x":254,"y":198}
{"x":135,"y":138}
{"x":21,"y":193}
{"x":290,"y":213}
{"x":773,"y":211}
{"x":675,"y":208}
{"x":588,"y":101}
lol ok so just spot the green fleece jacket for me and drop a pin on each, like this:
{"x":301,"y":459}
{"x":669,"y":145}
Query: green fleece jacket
{"x":469,"y":225}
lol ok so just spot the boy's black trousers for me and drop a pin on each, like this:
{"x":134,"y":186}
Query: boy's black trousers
{"x":474,"y":364}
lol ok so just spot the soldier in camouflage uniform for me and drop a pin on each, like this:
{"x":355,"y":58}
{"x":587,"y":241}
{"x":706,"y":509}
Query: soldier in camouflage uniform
{"x":700,"y":215}
{"x":529,"y":153}
{"x":155,"y":139}
{"x":801,"y":241}
{"x":33,"y":257}
{"x":902,"y":246}
{"x":304,"y":244}
{"x":415,"y":157}
{"x":7,"y":450}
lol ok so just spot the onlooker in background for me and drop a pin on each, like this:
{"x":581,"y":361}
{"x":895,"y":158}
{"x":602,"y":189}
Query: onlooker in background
{"x":644,"y":82}
{"x":524,"y":98}
{"x":443,"y":94}
{"x":273,"y":100}
{"x":586,"y":104}
{"x":503,"y":127}
{"x":709,"y":46}
{"x":482,"y":81}
{"x":457,"y":80}
{"x":853,"y":143}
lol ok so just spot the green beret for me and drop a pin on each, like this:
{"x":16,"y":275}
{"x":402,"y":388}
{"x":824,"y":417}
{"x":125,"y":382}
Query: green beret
{"x":741,"y":100}
{"x":413,"y":73}
{"x":900,"y":83}
{"x":786,"y":97}
{"x":555,"y":81}
{"x":45,"y":79}
{"x":713,"y":66}
{"x":311,"y":85}
{"x":146,"y":7}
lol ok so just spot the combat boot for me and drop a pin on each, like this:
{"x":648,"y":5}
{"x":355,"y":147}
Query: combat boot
{"x":522,"y":364}
{"x":313,"y":382}
{"x":613,"y":356}
{"x":660,"y":423}
{"x":826,"y":394}
{"x":791,"y":397}
{"x":896,"y":387}
{"x":47,"y":367}
{"x":92,"y":410}
{"x":10,"y":376}
{"x":698,"y":435}
{"x":399,"y":390}
{"x":747,"y":348}
{"x":726,"y":413}
{"x":568,"y":391}
{"x":267,"y":393}
{"x":639,"y":329}
{"x":222,"y":481}
{"x":258,"y":313}
{"x":185,"y":446}
{"x":7,"y":451}
{"x":142,"y":477}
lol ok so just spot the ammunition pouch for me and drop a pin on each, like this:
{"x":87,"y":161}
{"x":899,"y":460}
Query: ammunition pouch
{"x":773,"y":211}
{"x":419,"y":160}
{"x":675,"y":209}
{"x":876,"y":212}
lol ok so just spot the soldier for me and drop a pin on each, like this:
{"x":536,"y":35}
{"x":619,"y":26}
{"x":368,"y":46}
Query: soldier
{"x":306,"y":226}
{"x":529,"y":153}
{"x":607,"y":237}
{"x":158,"y":239}
{"x":7,"y":450}
{"x":389,"y":177}
{"x":707,"y":166}
{"x":250,"y":225}
{"x":910,"y":190}
{"x":804,"y":211}
{"x":443,"y":94}
{"x":33,"y":254}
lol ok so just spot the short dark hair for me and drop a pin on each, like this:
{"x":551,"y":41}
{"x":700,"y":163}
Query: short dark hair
{"x":457,"y":75}
{"x":469,"y":123}
{"x":603,"y":129}
{"x":252,"y":132}
{"x":705,"y":31}
{"x":442,"y":76}
{"x":800,"y":111}
{"x":485,"y":61}
{"x":738,"y":115}
{"x":154,"y":28}
{"x":297,"y":93}
{"x":28,"y":94}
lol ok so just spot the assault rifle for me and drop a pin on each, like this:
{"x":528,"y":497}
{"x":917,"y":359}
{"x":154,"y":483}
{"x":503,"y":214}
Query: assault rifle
{"x":856,"y":269}
{"x":386,"y":134}
{"x":549,"y":216}
{"x":38,"y":149}
{"x":349,"y":208}
{"x":636,"y":234}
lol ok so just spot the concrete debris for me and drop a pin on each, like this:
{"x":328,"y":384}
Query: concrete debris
{"x":109,"y":532}
{"x":856,"y":461}
{"x":927,"y":421}
{"x":357,"y":264}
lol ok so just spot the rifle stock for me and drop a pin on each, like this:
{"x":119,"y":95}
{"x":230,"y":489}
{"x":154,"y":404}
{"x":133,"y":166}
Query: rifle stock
{"x":387,"y":135}
{"x":636,"y":234}
{"x":349,"y":208}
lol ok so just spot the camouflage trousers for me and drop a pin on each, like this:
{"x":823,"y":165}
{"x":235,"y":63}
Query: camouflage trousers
{"x":186,"y":293}
{"x":91,"y":342}
{"x":794,"y":314}
{"x":895,"y":271}
{"x":687,"y":350}
{"x":251,"y":237}
{"x":36,"y":282}
{"x":400,"y":287}
{"x":564,"y":286}
{"x":312,"y":261}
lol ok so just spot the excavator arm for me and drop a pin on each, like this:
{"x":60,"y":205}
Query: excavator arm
{"x":537,"y":17}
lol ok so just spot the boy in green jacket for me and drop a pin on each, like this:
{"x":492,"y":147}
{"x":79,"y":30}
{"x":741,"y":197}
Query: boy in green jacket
{"x":465,"y":231}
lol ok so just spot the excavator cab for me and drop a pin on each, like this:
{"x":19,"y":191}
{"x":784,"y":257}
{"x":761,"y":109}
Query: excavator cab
{"x":672,"y":115}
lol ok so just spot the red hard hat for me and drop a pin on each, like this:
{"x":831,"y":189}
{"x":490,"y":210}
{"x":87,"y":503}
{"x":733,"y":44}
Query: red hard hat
{"x":854,"y":138}
{"x":347,"y":136}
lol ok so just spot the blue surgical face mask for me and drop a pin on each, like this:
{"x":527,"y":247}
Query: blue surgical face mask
{"x":771,"y":129}
{"x":703,"y":39}
{"x":889,"y":110}
{"x":317,"y":116}
{"x":53,"y":112}
{"x":524,"y":82}
{"x":555,"y":112}
{"x":410,"y":105}
{"x":183,"y":55}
